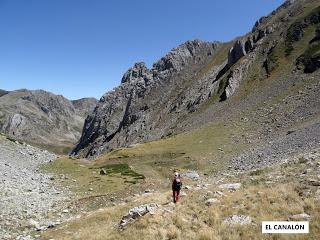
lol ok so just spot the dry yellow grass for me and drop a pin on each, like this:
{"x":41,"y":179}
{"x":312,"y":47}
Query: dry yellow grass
{"x":269,"y":194}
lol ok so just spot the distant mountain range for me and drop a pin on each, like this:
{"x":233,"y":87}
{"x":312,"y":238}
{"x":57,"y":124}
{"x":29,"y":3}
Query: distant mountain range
{"x":42,"y":118}
{"x":3,"y":92}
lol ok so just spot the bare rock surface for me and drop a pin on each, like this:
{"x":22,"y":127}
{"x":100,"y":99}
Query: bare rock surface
{"x":27,"y":196}
{"x":212,"y":201}
{"x":273,"y":152}
{"x":192,"y":175}
{"x":300,"y":216}
{"x":238,"y":220}
{"x":43,"y":118}
{"x":230,"y":186}
{"x":148,"y":101}
{"x":136,"y":213}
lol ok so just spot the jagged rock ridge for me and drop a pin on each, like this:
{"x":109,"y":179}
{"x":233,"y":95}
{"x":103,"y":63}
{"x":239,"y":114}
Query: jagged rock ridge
{"x":143,"y":89}
{"x":150,"y":103}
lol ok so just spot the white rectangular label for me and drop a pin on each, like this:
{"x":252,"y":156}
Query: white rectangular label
{"x":285,"y":227}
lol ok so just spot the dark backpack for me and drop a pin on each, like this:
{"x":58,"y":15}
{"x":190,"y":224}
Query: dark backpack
{"x":178,"y":184}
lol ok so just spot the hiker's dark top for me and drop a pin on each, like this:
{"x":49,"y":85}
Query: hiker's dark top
{"x":176,"y":184}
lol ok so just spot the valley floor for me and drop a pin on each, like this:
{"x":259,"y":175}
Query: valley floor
{"x":48,"y":197}
{"x":222,"y":206}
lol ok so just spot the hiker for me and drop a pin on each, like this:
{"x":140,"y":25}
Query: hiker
{"x":176,"y":187}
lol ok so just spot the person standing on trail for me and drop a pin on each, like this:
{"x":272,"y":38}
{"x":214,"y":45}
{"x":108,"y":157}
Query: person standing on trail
{"x":176,"y":187}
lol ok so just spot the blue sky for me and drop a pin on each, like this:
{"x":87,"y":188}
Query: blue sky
{"x":81,"y":48}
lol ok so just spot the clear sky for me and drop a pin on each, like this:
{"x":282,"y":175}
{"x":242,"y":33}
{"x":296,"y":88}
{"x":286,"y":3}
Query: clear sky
{"x":81,"y":48}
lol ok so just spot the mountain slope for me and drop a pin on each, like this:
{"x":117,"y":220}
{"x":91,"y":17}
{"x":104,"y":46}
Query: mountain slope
{"x":201,"y":82}
{"x":133,"y":111}
{"x":43,"y":118}
{"x":246,"y":121}
{"x":3,"y":92}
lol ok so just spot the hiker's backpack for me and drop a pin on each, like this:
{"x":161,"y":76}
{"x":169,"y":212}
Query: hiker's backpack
{"x":178,"y":184}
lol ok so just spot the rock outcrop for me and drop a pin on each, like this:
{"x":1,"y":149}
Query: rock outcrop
{"x":138,"y":72}
{"x":84,"y":106}
{"x":43,"y":118}
{"x":136,"y":213}
{"x":238,"y":220}
{"x":155,"y":103}
{"x":145,"y":99}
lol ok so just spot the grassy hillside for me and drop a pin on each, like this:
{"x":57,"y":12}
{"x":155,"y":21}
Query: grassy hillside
{"x":84,"y":178}
{"x":211,"y":144}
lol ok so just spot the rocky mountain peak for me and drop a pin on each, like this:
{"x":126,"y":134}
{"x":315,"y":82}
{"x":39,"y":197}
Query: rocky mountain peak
{"x":46,"y":101}
{"x":138,"y":72}
{"x":190,"y":52}
{"x":179,"y":57}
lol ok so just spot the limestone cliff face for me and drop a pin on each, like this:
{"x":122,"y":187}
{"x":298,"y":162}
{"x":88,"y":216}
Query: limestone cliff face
{"x":138,"y":110}
{"x":150,"y":103}
{"x":43,"y":118}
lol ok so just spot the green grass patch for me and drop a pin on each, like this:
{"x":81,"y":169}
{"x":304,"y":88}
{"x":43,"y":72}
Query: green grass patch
{"x":83,"y":177}
{"x":122,"y":169}
{"x":300,"y":28}
{"x":195,"y":150}
{"x":218,"y":58}
{"x":309,"y":60}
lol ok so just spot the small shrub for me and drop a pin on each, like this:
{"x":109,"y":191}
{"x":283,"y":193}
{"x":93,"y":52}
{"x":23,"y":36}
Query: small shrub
{"x":302,"y":160}
{"x":256,"y":172}
{"x":11,"y":139}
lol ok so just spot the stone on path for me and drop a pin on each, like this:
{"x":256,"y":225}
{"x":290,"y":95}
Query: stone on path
{"x":301,"y":216}
{"x":218,"y":194}
{"x":183,"y":194}
{"x":103,"y":171}
{"x":192,"y":175}
{"x":238,"y":220}
{"x":212,"y":201}
{"x":230,"y":186}
{"x":136,"y":213}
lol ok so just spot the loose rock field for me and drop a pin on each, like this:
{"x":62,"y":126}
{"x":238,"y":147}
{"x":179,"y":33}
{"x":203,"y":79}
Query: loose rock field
{"x":28,"y":198}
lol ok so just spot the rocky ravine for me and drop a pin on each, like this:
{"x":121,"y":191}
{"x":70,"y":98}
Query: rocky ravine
{"x":28,"y":199}
{"x":154,"y":103}
{"x":43,"y":118}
